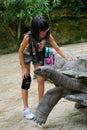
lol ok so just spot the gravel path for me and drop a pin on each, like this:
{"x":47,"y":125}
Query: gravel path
{"x":63,"y":117}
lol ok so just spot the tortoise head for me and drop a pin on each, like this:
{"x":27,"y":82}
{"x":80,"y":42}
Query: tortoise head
{"x":44,"y":71}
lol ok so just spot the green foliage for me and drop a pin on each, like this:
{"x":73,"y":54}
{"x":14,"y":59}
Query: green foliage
{"x":56,"y":3}
{"x":75,"y":7}
{"x":20,"y":12}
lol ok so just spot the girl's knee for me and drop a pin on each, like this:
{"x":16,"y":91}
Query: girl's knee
{"x":40,"y":79}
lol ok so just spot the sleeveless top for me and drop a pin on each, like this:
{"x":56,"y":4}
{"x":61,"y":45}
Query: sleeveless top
{"x":35,"y":49}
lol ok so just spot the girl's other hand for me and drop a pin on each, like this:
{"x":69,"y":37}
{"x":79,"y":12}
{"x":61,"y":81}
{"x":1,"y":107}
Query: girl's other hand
{"x":24,"y":73}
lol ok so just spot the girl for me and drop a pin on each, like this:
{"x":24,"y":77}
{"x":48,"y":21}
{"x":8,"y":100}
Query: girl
{"x":33,"y":49}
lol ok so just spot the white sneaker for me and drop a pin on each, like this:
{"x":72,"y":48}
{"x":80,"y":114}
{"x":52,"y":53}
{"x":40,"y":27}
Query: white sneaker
{"x":28,"y":114}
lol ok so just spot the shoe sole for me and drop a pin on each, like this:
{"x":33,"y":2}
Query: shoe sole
{"x":28,"y":118}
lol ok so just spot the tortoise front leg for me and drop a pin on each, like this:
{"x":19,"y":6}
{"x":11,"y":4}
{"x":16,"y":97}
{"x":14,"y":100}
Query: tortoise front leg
{"x":47,"y":103}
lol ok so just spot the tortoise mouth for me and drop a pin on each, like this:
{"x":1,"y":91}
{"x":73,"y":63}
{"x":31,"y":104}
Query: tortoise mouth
{"x":43,"y":71}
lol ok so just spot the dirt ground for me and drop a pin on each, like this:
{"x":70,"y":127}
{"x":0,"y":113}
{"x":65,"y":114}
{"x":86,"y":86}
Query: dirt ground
{"x":64,"y":116}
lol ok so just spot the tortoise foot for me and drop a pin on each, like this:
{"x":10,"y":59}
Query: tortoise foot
{"x":39,"y":120}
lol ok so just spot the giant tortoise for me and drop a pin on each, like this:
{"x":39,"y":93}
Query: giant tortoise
{"x":70,"y":82}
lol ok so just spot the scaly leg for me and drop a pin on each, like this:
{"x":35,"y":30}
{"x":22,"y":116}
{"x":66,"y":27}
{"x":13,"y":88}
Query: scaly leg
{"x":47,"y":103}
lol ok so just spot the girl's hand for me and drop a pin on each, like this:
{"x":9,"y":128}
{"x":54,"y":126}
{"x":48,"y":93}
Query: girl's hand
{"x":70,"y":59}
{"x":25,"y":73}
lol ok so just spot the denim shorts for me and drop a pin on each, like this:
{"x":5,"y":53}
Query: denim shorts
{"x":34,"y":59}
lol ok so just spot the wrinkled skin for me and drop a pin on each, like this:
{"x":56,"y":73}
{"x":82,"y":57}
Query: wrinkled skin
{"x":70,"y":82}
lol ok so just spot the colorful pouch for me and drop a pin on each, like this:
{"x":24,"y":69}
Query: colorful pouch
{"x":47,"y":52}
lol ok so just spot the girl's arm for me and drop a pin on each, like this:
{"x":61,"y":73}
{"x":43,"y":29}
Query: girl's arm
{"x":21,"y":56}
{"x":57,"y":48}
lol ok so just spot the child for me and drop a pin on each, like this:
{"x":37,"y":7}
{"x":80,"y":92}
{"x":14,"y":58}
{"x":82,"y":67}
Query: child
{"x":33,"y":49}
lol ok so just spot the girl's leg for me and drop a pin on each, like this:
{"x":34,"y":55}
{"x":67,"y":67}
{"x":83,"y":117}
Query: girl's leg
{"x":25,"y":98}
{"x":40,"y":81}
{"x":25,"y":87}
{"x":25,"y":91}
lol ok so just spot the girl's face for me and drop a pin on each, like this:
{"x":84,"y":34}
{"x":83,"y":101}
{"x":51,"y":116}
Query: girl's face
{"x":43,"y":33}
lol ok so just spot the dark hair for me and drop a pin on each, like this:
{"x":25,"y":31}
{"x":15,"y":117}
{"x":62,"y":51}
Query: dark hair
{"x":38,"y":24}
